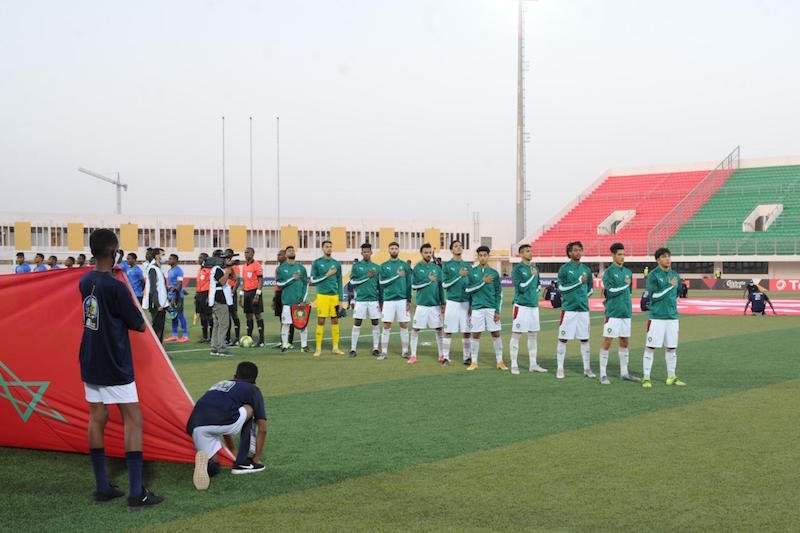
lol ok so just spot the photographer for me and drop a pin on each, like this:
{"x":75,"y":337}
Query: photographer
{"x":220,"y":297}
{"x":155,"y":291}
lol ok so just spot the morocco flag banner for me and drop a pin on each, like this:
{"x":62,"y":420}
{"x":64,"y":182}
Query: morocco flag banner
{"x":42,"y":399}
{"x":300,"y":314}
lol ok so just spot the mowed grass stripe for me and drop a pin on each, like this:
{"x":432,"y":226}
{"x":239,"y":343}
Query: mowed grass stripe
{"x":727,"y":464}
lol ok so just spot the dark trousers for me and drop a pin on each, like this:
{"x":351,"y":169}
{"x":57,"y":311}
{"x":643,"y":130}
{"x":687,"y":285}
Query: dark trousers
{"x":158,"y":319}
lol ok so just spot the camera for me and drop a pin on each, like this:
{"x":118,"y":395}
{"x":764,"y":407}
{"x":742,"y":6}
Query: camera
{"x":220,"y":261}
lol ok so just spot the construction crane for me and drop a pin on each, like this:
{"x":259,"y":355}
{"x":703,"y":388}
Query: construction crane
{"x":120,"y":186}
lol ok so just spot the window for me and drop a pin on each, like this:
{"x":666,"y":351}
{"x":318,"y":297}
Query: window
{"x":745,"y":267}
{"x":147,"y":237}
{"x":168,"y":238}
{"x":7,"y":236}
{"x":372,"y":238}
{"x":353,"y":239}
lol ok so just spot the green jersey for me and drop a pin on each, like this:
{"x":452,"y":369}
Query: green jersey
{"x":394,"y":285}
{"x":526,"y":284}
{"x":427,"y":281}
{"x":617,"y":284}
{"x":662,"y":285}
{"x":366,"y":287}
{"x":331,"y":285}
{"x":574,"y":292}
{"x":485,"y":295}
{"x":453,"y":282}
{"x":293,"y":291}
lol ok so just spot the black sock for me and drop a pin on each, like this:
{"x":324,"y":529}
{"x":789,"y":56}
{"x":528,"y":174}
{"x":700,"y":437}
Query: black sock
{"x":291,"y":333}
{"x":98,"y":456}
{"x":260,"y":331}
{"x":249,"y":328}
{"x":134,"y":460}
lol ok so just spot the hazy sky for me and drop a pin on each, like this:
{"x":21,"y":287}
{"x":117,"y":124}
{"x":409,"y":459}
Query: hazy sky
{"x":405,"y":107}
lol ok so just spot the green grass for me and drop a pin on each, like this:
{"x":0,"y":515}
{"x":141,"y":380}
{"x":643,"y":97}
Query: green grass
{"x":366,"y":445}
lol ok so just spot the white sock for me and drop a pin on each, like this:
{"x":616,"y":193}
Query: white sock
{"x":561,"y":353}
{"x":671,"y":356}
{"x":354,"y":337}
{"x":533,"y":349}
{"x":474,"y":346}
{"x":603,"y":361}
{"x":513,"y":349}
{"x":647,"y":362}
{"x":467,"y":348}
{"x":404,"y":339}
{"x":586,"y":355}
{"x":439,"y":342}
{"x":623,"y":361}
{"x":446,"y":347}
{"x":376,"y":337}
{"x":304,"y":338}
{"x":497,"y":342}
{"x":385,"y":340}
{"x":285,"y":335}
{"x":414,"y":342}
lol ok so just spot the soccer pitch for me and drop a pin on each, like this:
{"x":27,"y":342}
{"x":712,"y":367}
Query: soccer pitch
{"x":360,"y":444}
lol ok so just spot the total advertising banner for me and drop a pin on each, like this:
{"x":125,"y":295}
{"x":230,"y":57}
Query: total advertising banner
{"x":42,"y":400}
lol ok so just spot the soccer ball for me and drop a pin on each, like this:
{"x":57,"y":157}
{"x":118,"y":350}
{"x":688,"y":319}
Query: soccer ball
{"x":246,"y":341}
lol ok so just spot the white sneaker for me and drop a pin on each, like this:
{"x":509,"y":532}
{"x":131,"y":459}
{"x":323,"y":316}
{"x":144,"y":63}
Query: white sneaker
{"x":560,"y":373}
{"x":200,"y":477}
{"x":537,"y":368}
{"x":515,"y":370}
{"x":587,"y":372}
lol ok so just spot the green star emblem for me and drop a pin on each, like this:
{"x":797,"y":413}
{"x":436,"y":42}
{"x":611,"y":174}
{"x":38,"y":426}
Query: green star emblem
{"x":9,"y":380}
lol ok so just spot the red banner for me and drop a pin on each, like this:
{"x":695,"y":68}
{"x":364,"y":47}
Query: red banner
{"x":784,"y":285}
{"x":42,"y":399}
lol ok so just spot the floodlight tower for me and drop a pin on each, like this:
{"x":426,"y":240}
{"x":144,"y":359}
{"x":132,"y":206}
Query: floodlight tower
{"x":120,"y":186}
{"x":523,"y":194}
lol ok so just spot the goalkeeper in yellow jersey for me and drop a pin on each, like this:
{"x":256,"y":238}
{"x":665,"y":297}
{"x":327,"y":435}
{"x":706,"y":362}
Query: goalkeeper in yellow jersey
{"x":326,"y":275}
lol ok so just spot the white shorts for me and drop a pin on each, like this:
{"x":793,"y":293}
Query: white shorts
{"x":110,"y":394}
{"x":662,"y":333}
{"x":206,"y":438}
{"x":395,"y":310}
{"x":574,"y":325}
{"x":426,"y":317}
{"x":364,"y":310}
{"x":483,"y":320}
{"x":617,"y":327}
{"x":456,"y":317}
{"x":526,"y":319}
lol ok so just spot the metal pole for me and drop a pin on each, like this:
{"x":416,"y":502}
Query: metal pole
{"x":252,"y":229}
{"x":119,"y":195}
{"x":224,"y":224}
{"x":521,"y":186}
{"x":278,"y":171}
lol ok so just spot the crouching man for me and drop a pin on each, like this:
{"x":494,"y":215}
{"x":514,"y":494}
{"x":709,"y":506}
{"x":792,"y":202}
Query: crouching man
{"x":228,"y":408}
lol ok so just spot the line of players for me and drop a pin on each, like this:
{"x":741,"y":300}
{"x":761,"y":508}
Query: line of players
{"x":460,"y":298}
{"x":21,"y":266}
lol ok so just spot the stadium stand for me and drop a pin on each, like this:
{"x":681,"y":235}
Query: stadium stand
{"x":717,"y":228}
{"x":650,"y":196}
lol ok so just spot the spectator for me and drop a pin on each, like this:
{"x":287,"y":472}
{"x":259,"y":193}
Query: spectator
{"x":22,"y":267}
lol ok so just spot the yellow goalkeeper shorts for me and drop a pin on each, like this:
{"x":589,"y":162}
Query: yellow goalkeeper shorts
{"x":326,"y":305}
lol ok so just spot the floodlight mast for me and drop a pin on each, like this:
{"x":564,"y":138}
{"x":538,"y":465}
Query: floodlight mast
{"x":120,"y":186}
{"x":522,"y":192}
